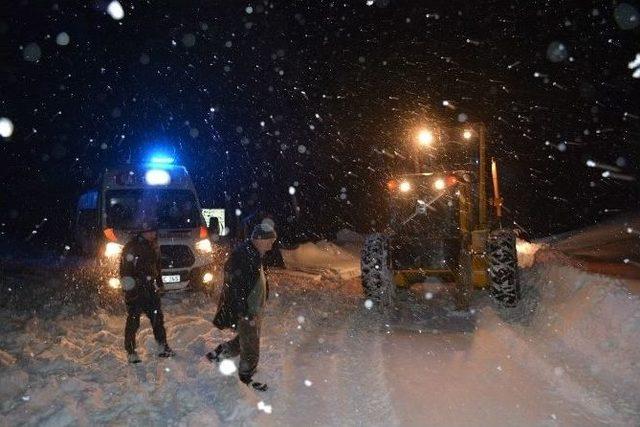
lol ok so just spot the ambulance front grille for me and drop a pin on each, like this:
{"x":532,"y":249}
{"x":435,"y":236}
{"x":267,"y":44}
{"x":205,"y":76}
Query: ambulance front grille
{"x":176,"y":256}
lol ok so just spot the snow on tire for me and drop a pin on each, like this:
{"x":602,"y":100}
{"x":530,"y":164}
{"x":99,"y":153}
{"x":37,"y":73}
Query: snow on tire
{"x":376,"y":276}
{"x":503,"y":267}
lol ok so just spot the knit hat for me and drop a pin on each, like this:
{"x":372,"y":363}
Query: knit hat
{"x":263,"y":231}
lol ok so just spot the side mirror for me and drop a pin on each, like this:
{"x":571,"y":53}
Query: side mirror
{"x":214,"y":227}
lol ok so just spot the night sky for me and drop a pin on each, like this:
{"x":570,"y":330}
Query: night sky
{"x":255,"y":97}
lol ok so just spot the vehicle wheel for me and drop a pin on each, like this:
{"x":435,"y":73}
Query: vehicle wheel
{"x":376,"y":275}
{"x":503,"y":267}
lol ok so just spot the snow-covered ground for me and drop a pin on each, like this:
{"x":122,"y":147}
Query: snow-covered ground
{"x":569,"y":355}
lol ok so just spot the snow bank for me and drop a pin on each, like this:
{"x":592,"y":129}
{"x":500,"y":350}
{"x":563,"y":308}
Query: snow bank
{"x":324,"y":258}
{"x":593,"y":319}
{"x":526,"y":253}
{"x":349,"y":236}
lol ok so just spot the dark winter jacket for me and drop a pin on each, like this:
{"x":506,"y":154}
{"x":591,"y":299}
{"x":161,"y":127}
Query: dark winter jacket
{"x":140,"y":261}
{"x":241,"y":273}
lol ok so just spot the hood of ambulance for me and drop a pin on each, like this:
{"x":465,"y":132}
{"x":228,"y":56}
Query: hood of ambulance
{"x":188,"y":236}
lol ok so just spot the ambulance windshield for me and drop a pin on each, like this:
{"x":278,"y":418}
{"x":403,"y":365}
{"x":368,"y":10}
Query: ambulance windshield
{"x":140,"y":208}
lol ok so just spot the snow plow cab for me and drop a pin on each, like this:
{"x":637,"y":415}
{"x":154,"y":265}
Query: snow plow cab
{"x":440,"y":225}
{"x":126,"y":200}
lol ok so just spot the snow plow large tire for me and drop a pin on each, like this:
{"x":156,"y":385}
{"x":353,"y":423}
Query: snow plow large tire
{"x":377,"y":280}
{"x":503,"y":267}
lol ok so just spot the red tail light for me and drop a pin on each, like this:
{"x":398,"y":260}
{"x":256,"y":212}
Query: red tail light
{"x":203,"y":232}
{"x":110,"y":234}
{"x":392,"y":185}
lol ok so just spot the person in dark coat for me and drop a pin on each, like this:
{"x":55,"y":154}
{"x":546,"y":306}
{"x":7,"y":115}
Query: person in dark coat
{"x":242,"y":301}
{"x":139,"y":272}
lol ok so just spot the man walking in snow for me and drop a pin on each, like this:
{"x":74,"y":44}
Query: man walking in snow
{"x":139,"y":271}
{"x":242,"y":301}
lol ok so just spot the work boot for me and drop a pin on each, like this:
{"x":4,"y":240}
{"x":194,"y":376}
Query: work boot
{"x":166,"y":352}
{"x":256,"y":385}
{"x":133,"y":358}
{"x":214,"y":356}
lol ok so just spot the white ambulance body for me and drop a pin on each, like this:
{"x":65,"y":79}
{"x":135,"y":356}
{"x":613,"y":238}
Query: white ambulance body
{"x":132,"y":198}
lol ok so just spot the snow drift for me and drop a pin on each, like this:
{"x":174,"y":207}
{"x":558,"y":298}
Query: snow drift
{"x":590,"y":321}
{"x":325,"y":258}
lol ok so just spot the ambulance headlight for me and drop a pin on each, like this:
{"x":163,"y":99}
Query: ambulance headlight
{"x":204,"y":246}
{"x":113,"y":250}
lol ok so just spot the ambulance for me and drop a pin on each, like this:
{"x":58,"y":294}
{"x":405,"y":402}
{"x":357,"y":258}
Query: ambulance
{"x":129,"y":199}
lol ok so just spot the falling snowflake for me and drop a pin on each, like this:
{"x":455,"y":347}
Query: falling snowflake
{"x":62,"y":39}
{"x":115,"y":10}
{"x":264,"y":407}
{"x":6,"y":127}
{"x":635,"y":65}
{"x":227,"y":367}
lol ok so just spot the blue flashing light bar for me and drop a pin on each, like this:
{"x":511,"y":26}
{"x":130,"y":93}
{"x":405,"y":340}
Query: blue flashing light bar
{"x":162,"y":160}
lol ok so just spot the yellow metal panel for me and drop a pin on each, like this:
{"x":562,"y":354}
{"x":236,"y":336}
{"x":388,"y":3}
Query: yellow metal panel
{"x":479,"y":267}
{"x":479,"y":240}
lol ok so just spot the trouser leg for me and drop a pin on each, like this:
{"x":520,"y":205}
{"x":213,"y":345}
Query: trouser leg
{"x":131,"y":328}
{"x":154,"y":313}
{"x":249,"y":338}
{"x":229,"y":348}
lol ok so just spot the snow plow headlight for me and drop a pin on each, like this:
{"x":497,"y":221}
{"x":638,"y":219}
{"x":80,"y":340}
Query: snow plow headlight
{"x":113,"y":250}
{"x":204,"y":246}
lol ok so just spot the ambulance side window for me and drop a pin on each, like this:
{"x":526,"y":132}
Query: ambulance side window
{"x":88,"y":210}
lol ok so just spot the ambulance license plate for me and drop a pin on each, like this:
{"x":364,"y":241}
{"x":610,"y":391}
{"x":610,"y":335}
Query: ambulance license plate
{"x":171,"y":279}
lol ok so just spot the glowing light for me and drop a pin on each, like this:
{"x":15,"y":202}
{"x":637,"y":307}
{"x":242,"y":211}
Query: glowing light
{"x":405,"y":186}
{"x":439,"y":184}
{"x":467,"y":134}
{"x":114,"y":283}
{"x":113,"y":250}
{"x":162,"y":160}
{"x":6,"y":127}
{"x":207,"y":277}
{"x":115,"y":10}
{"x":204,"y":246}
{"x":157,"y":177}
{"x":292,"y":190}
{"x":591,"y":163}
{"x":368,"y":304}
{"x":425,"y":137}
